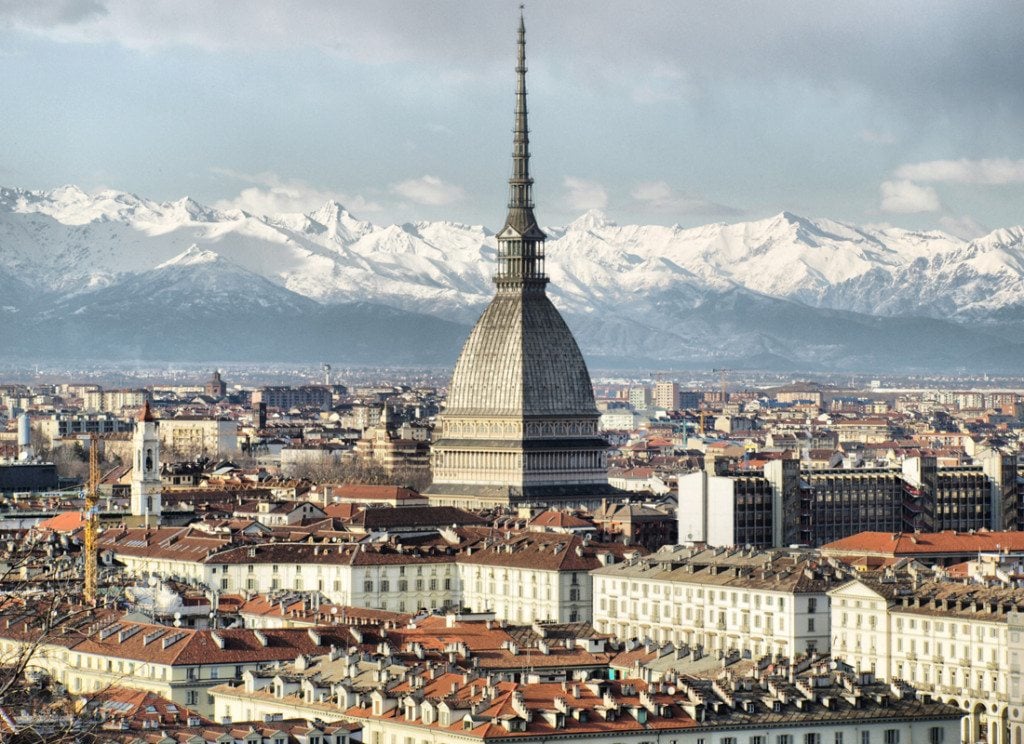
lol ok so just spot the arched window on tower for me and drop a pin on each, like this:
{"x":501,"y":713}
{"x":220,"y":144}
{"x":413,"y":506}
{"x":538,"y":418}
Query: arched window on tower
{"x":149,"y":459}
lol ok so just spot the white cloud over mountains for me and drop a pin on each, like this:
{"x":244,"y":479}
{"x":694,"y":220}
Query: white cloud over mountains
{"x":430,"y":191}
{"x":988,"y":172}
{"x":582,"y":194}
{"x":907,"y":197}
{"x":271,"y":194}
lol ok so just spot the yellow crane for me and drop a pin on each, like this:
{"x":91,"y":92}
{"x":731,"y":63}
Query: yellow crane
{"x":92,"y":498}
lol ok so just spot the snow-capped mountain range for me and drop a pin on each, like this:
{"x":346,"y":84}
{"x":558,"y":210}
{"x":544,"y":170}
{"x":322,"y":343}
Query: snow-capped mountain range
{"x":782,"y":291}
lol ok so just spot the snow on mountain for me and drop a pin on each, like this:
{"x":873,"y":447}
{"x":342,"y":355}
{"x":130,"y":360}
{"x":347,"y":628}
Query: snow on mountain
{"x":621,"y":285}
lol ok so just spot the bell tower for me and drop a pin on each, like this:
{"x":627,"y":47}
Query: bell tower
{"x":146,"y":488}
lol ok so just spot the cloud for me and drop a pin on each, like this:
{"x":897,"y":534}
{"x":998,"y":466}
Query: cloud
{"x":876,"y":46}
{"x":907,"y":196}
{"x":965,"y":227}
{"x":430,"y":191}
{"x":658,"y":196}
{"x":270,"y":194}
{"x":989,"y":172}
{"x":582,"y":194}
{"x":49,"y":14}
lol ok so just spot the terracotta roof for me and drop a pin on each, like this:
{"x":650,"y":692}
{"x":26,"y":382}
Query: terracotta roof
{"x":342,"y":511}
{"x":358,"y":491}
{"x":553,"y":518}
{"x":69,"y":521}
{"x":141,"y":709}
{"x":159,"y":644}
{"x":925,"y":543}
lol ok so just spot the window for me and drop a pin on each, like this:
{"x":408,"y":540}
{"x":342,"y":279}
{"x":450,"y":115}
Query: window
{"x":385,"y":585}
{"x":936,"y":734}
{"x":756,"y":740}
{"x":838,"y":738}
{"x":892,"y":736}
{"x":368,"y":585}
{"x":784,"y":739}
{"x":812,"y":738}
{"x":727,"y":740}
{"x":812,"y":605}
{"x":810,"y":625}
{"x":403,"y":585}
{"x":192,"y":698}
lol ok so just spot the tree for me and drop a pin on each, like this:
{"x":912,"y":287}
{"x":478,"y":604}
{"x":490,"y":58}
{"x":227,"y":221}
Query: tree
{"x":42,"y":616}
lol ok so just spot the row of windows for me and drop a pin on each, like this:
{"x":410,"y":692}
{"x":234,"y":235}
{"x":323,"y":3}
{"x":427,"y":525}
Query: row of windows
{"x":403,"y":585}
{"x":936,"y":735}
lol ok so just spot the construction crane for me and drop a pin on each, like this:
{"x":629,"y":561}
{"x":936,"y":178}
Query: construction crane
{"x":92,"y":498}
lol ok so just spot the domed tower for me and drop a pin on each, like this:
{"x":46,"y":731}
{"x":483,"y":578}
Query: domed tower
{"x":520,"y":424}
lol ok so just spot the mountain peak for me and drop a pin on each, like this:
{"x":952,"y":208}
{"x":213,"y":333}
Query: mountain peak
{"x":194,"y":256}
{"x":592,"y":219}
{"x":329,"y":213}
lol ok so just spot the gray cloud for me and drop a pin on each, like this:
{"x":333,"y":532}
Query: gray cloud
{"x":48,"y":14}
{"x":914,"y":53}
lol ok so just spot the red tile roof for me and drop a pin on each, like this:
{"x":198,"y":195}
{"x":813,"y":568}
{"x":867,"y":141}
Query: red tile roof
{"x":925,"y":543}
{"x":64,"y":522}
{"x":553,"y":518}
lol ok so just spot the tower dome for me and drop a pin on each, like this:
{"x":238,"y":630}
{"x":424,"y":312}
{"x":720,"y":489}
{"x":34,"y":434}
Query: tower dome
{"x":521,"y":360}
{"x":520,"y":424}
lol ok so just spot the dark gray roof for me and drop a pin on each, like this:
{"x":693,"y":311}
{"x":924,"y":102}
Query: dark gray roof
{"x":521,"y":360}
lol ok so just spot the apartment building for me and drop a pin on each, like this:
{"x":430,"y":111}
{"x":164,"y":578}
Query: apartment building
{"x":787,"y":503}
{"x":179,"y":664}
{"x":444,"y":707}
{"x":192,"y":436}
{"x":114,"y":401}
{"x":949,"y":639}
{"x":751,"y":601}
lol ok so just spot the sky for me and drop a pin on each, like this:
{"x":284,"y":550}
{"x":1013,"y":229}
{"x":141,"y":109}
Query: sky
{"x":905,"y":113}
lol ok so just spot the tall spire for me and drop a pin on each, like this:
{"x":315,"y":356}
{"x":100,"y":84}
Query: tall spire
{"x":520,"y":183}
{"x":521,"y":251}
